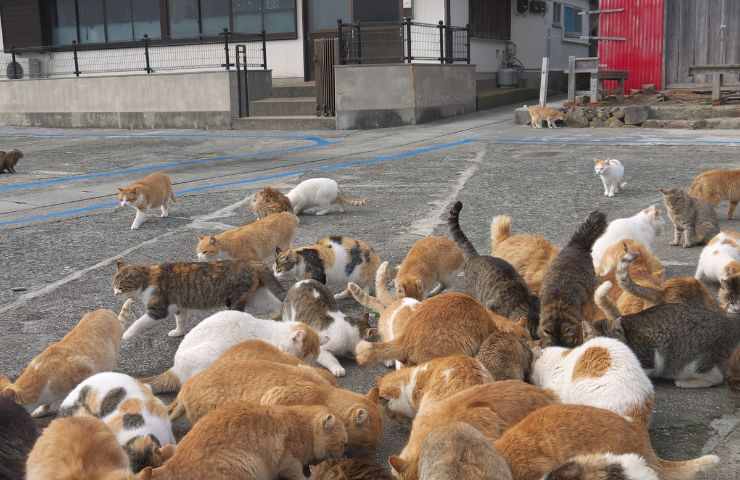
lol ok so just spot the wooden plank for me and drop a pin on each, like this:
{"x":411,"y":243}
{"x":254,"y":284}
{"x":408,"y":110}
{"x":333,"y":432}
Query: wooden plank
{"x":671,"y":41}
{"x":688,"y":38}
{"x":543,"y":80}
{"x":702,"y":40}
{"x":733,"y":36}
{"x":594,"y":89}
{"x":571,"y":79}
{"x":716,"y":88}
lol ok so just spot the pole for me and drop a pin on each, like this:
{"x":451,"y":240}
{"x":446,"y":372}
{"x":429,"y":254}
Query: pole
{"x":340,"y":36}
{"x":264,"y":50}
{"x":408,"y":39}
{"x":146,"y":54}
{"x":359,"y":44}
{"x":467,"y":43}
{"x":543,"y":80}
{"x":74,"y":53}
{"x":226,"y":48}
{"x":441,"y":26}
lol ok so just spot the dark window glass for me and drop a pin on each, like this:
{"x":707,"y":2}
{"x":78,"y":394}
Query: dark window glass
{"x":279,"y":16}
{"x":63,"y":21}
{"x":118,"y":20}
{"x":573,"y":22}
{"x":214,"y":16}
{"x":184,"y":18}
{"x":323,"y":14}
{"x":146,"y":19}
{"x":376,"y":11}
{"x":247,"y":16}
{"x":92,"y":21}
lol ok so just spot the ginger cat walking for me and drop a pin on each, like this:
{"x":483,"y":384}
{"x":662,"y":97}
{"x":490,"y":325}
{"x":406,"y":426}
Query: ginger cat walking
{"x":152,"y":191}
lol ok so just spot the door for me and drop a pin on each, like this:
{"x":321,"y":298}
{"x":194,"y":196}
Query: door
{"x":320,"y":20}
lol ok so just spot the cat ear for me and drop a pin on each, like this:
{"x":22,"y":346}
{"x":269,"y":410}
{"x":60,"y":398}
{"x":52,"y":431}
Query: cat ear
{"x":165,"y":453}
{"x":361,"y":416}
{"x":663,"y":191}
{"x":398,"y":464}
{"x":213,"y":241}
{"x":10,"y":394}
{"x":324,"y":340}
{"x":328,"y":422}
{"x":589,"y":331}
{"x":569,"y":471}
{"x":298,"y":336}
{"x":374,"y":395}
{"x":120,"y":264}
{"x":120,"y":189}
{"x":277,"y":251}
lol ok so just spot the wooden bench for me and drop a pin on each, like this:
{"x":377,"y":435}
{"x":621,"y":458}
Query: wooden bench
{"x":717,"y":71}
{"x":590,"y":66}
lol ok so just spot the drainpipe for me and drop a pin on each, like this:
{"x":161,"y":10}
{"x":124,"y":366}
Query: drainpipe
{"x":448,"y":15}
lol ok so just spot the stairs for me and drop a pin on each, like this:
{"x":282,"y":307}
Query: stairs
{"x":292,"y":106}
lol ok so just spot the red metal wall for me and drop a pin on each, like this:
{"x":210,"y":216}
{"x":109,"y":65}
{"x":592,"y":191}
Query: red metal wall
{"x":641,"y":53}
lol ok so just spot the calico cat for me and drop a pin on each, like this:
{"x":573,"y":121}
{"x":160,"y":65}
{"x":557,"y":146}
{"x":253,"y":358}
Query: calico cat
{"x":684,"y":343}
{"x":694,"y":221}
{"x":177,"y":287}
{"x":721,"y":253}
{"x":137,"y":418}
{"x":239,"y":440}
{"x":550,"y":115}
{"x":568,"y":287}
{"x":642,"y":227}
{"x":714,"y":186}
{"x":310,"y":302}
{"x":493,"y":281}
{"x":152,"y":191}
{"x":18,"y":433}
{"x":349,"y":469}
{"x":77,"y":448}
{"x":603,"y":373}
{"x":255,"y":241}
{"x":269,"y":383}
{"x":490,"y":408}
{"x":322,"y":194}
{"x":90,"y":347}
{"x":333,"y":261}
{"x":553,"y":435}
{"x":611,"y":172}
{"x":8,"y":160}
{"x":268,"y":201}
{"x":627,"y":466}
{"x":404,"y":391}
{"x":530,"y":255}
{"x":729,"y":294}
{"x":208,"y":340}
{"x":429,"y":267}
{"x":506,"y":355}
{"x":458,"y":451}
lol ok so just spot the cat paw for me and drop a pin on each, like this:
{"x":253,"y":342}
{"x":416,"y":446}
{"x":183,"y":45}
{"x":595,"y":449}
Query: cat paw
{"x":134,"y":227}
{"x":41,"y":411}
{"x":674,"y":244}
{"x":338,"y":371}
{"x":177,"y":332}
{"x":389,"y":363}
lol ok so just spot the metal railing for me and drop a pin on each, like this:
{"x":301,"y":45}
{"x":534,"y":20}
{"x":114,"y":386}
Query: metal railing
{"x":430,"y":42}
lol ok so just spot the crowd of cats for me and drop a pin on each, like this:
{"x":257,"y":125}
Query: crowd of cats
{"x":540,"y":368}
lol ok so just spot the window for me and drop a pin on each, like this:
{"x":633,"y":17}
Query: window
{"x":118,"y":21}
{"x":184,"y":18}
{"x":279,"y":16}
{"x":573,"y":22}
{"x":214,"y":16}
{"x":376,"y":11}
{"x":557,"y":13}
{"x":490,"y":19}
{"x":91,"y":21}
{"x":63,"y":19}
{"x":273,"y":16}
{"x":146,"y":19}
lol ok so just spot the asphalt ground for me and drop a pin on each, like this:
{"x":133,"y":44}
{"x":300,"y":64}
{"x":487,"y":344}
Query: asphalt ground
{"x":60,"y":232}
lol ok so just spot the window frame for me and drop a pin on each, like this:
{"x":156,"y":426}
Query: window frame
{"x":572,"y":36}
{"x":488,"y":35}
{"x":557,"y":7}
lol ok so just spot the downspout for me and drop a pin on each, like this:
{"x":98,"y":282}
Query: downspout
{"x":448,"y":14}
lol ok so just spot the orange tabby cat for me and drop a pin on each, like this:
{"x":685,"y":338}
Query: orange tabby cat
{"x":717,"y":185}
{"x":90,"y":347}
{"x":550,"y":115}
{"x":268,"y":201}
{"x":490,"y":408}
{"x":254,"y":442}
{"x":530,"y":255}
{"x":429,"y":267}
{"x":78,"y":448}
{"x":152,"y":191}
{"x":551,"y":436}
{"x":255,"y":241}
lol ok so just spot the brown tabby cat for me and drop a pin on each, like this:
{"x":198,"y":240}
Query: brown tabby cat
{"x":269,"y":201}
{"x":429,"y":267}
{"x":729,"y":294}
{"x":694,"y":221}
{"x":8,"y":160}
{"x":18,"y":434}
{"x":349,"y":469}
{"x":569,"y":285}
{"x":506,"y":356}
{"x":733,"y":371}
{"x":717,"y":185}
{"x":176,"y":287}
{"x":152,"y":191}
{"x":253,"y":442}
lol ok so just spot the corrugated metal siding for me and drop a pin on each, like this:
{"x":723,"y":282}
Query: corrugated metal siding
{"x":641,"y":54}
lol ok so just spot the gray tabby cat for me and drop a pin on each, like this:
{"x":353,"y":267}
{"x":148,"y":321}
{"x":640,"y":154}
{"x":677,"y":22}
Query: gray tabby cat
{"x":688,"y":344}
{"x":729,"y":294}
{"x":493,"y":281}
{"x":694,"y":222}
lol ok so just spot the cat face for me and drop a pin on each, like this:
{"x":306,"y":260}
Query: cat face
{"x":269,"y":201}
{"x":145,"y":451}
{"x":673,"y":197}
{"x":330,"y":436}
{"x":129,"y":280}
{"x":410,"y":288}
{"x":729,"y":292}
{"x":601,"y":167}
{"x":127,"y":195}
{"x":208,"y":248}
{"x":303,"y":343}
{"x":286,"y":262}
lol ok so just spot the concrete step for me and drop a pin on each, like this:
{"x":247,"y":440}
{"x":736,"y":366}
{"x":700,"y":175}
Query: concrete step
{"x":291,"y":91}
{"x":692,"y":112}
{"x":283,"y":107}
{"x":305,"y":122}
{"x":716,"y":123}
{"x":506,"y":96}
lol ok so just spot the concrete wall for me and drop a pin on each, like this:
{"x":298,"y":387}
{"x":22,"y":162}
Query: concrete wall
{"x":376,"y":96}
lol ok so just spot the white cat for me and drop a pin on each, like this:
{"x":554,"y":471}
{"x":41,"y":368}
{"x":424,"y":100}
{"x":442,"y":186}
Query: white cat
{"x":602,"y":373}
{"x":721,"y":252}
{"x":322,"y":194}
{"x":642,"y":227}
{"x":221,"y":331}
{"x":611,"y":173}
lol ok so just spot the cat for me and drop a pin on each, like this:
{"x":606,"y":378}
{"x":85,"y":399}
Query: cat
{"x":603,"y":373}
{"x":394,"y":312}
{"x":349,"y":469}
{"x":733,"y":371}
{"x":506,"y":355}
{"x":429,"y":267}
{"x":568,"y":287}
{"x":729,"y":293}
{"x":451,"y":323}
{"x":553,"y":435}
{"x":458,"y":451}
{"x":642,"y":227}
{"x":177,"y":287}
{"x":131,"y":411}
{"x":530,"y":255}
{"x":611,"y":172}
{"x":604,"y":466}
{"x":268,"y":201}
{"x":714,"y":186}
{"x":645,"y":292}
{"x":8,"y":160}
{"x":491,"y":409}
{"x":646,"y":266}
{"x":255,"y":241}
{"x":90,"y":347}
{"x":333,"y":261}
{"x":694,"y":221}
{"x":239,"y":440}
{"x":310,"y":302}
{"x":322,"y":194}
{"x":152,"y":191}
{"x":539,"y":113}
{"x":208,"y":340}
{"x":722,"y":252}
{"x":404,"y":391}
{"x":77,"y":448}
{"x":270,"y":383}
{"x":684,"y":343}
{"x":18,"y":433}
{"x":491,"y":280}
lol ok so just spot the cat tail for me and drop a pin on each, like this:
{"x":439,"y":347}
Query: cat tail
{"x":176,"y":409}
{"x":346,"y":200}
{"x":588,"y":231}
{"x":381,"y":280}
{"x":164,"y":382}
{"x":625,"y":282}
{"x":4,"y":382}
{"x":623,"y":184}
{"x":172,"y":195}
{"x":367,"y":352}
{"x":453,"y":221}
{"x":500,"y":230}
{"x":125,"y":316}
{"x":602,"y":300}
{"x":687,"y":469}
{"x":364,"y":298}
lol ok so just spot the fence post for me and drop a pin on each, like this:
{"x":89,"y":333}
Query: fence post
{"x":408,"y":38}
{"x":340,"y":36}
{"x":467,"y":43}
{"x":146,"y":54}
{"x":359,"y":43}
{"x":74,"y":54}
{"x":226,"y":48}
{"x":264,"y":50}
{"x":15,"y":70}
{"x":441,"y":27}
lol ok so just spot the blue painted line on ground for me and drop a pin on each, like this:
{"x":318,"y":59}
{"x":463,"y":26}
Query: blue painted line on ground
{"x":618,"y":141}
{"x":160,"y":134}
{"x":293,"y":173}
